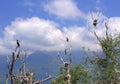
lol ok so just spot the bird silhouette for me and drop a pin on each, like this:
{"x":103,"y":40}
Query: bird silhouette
{"x":67,"y":39}
{"x":95,"y":22}
{"x":18,"y":43}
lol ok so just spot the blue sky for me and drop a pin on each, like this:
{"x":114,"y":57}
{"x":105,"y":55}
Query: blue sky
{"x":11,"y":9}
{"x":43,"y":23}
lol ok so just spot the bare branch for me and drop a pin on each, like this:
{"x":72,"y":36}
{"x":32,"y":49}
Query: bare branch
{"x":41,"y":81}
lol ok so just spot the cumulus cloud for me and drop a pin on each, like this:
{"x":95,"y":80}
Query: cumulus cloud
{"x":36,"y":34}
{"x":81,"y":37}
{"x":4,"y":49}
{"x":114,"y":24}
{"x":63,"y":8}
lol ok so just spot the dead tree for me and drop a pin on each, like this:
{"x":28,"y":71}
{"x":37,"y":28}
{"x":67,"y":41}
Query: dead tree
{"x":41,"y":81}
{"x":23,"y":76}
{"x":67,"y":52}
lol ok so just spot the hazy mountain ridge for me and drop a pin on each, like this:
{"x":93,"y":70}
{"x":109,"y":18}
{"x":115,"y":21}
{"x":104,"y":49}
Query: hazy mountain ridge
{"x":42,"y":63}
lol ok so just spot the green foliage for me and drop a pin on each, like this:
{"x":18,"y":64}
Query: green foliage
{"x":105,"y":67}
{"x":79,"y":74}
{"x":108,"y":64}
{"x":60,"y":78}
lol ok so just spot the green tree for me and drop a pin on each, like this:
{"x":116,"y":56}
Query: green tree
{"x":105,"y":68}
{"x":107,"y":65}
{"x":79,"y":74}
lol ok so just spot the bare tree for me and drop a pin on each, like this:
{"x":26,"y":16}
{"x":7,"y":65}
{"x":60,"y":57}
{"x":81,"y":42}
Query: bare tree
{"x":68,"y":52}
{"x":23,"y":76}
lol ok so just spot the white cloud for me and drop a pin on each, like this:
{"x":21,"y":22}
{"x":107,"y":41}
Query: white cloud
{"x":63,"y":8}
{"x":39,"y":34}
{"x":4,"y":49}
{"x":81,"y":37}
{"x":34,"y":33}
{"x":114,"y":24}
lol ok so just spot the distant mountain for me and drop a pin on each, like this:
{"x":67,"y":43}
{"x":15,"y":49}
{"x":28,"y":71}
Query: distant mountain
{"x":48,"y":62}
{"x":42,"y":63}
{"x":3,"y":69}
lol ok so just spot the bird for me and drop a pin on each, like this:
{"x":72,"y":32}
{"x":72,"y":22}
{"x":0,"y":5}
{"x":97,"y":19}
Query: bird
{"x":67,"y":39}
{"x":95,"y":22}
{"x":18,"y":44}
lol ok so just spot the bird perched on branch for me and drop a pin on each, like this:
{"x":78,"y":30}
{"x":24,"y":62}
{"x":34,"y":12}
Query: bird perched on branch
{"x":95,"y":22}
{"x":67,"y":39}
{"x":95,"y":18}
{"x":18,"y":44}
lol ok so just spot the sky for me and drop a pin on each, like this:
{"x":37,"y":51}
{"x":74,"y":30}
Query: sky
{"x":43,"y":25}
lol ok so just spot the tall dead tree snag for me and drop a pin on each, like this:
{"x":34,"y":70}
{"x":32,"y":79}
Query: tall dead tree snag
{"x":67,"y":64}
{"x":11,"y":64}
{"x":67,"y":74}
{"x":17,"y":55}
{"x":22,"y":76}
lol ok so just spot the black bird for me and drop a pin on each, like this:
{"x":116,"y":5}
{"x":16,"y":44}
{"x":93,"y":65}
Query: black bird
{"x":18,"y":44}
{"x":95,"y":22}
{"x":67,"y":39}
